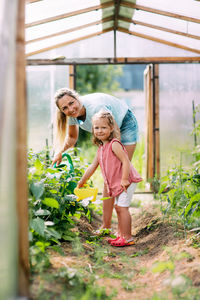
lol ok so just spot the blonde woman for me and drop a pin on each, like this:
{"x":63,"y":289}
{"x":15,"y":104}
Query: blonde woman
{"x":74,"y":111}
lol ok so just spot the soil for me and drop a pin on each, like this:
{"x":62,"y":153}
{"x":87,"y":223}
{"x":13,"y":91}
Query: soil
{"x":158,"y":243}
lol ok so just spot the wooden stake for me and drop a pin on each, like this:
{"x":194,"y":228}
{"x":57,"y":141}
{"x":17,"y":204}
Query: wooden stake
{"x":21,"y":153}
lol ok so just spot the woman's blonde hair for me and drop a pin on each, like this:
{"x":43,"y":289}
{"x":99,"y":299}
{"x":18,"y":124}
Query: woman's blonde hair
{"x":60,"y":123}
{"x":102,"y":114}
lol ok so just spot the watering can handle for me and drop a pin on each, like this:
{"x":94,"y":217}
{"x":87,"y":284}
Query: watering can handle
{"x":71,"y":166}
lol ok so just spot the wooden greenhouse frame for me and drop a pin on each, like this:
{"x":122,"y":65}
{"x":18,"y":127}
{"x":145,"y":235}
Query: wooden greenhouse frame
{"x":19,"y":101}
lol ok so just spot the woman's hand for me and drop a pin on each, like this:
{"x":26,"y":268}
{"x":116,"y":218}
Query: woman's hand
{"x":125,"y":184}
{"x":57,"y":159}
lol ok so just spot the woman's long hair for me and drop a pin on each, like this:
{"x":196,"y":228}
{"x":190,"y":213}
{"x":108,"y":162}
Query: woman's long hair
{"x":102,"y":114}
{"x":60,"y":122}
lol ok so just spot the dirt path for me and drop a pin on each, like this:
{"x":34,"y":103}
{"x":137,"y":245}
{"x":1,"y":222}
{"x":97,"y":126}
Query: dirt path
{"x":161,"y":265}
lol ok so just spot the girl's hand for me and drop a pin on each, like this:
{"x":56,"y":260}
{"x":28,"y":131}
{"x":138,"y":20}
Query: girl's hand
{"x":80,"y":184}
{"x":57,"y":159}
{"x":125,"y":184}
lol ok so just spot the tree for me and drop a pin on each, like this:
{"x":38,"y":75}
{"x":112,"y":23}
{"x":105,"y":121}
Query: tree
{"x":98,"y":78}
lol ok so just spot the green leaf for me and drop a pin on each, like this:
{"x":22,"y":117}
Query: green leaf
{"x":39,"y":167}
{"x":67,"y":238}
{"x":42,"y":212}
{"x":52,"y":233}
{"x":53,"y":191}
{"x":37,"y":189}
{"x":193,"y":200}
{"x":38,"y":226}
{"x":51,"y":202}
{"x":42,"y":245}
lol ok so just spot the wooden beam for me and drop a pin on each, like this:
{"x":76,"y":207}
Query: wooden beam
{"x":158,"y":40}
{"x":159,"y":12}
{"x":69,"y":42}
{"x":70,"y":30}
{"x":128,"y":20}
{"x":32,"y":1}
{"x":110,"y":60}
{"x":158,"y":60}
{"x":72,"y":79}
{"x":117,"y":5}
{"x":149,"y":122}
{"x":70,"y":14}
{"x":156,"y":121}
{"x":21,"y":155}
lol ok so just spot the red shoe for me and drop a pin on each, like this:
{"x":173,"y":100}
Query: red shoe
{"x":121,"y":242}
{"x":110,"y":240}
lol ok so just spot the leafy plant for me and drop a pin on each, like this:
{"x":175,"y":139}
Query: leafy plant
{"x":51,"y":204}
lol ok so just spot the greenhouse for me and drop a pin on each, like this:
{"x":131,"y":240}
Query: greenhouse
{"x":146,"y":54}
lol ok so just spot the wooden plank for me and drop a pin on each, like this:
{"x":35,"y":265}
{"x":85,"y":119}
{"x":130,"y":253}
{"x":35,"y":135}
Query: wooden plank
{"x":21,"y":155}
{"x":149,"y":60}
{"x":71,"y":14}
{"x":72,"y":77}
{"x":109,"y":60}
{"x":70,"y":30}
{"x":160,"y":12}
{"x":32,"y":1}
{"x":128,"y":20}
{"x":149,"y":122}
{"x":158,"y":40}
{"x":115,"y":19}
{"x":69,"y":42}
{"x":157,"y":125}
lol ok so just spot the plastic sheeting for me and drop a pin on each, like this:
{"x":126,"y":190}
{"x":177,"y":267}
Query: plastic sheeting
{"x":45,"y":9}
{"x":179,"y":87}
{"x":8,"y":223}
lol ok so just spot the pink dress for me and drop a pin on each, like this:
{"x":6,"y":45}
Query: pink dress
{"x":111,"y":168}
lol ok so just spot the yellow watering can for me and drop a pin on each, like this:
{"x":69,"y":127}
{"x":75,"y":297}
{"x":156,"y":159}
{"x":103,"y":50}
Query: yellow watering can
{"x":86,"y":192}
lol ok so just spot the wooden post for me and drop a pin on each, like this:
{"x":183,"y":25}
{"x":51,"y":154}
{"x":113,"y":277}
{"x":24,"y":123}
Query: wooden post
{"x":152,"y":122}
{"x":21,"y":154}
{"x":72,"y":77}
{"x":156,"y":122}
{"x":149,"y":122}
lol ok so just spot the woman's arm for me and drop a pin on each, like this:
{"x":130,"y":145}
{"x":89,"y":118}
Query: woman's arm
{"x":123,"y":157}
{"x":70,"y":141}
{"x":89,"y":172}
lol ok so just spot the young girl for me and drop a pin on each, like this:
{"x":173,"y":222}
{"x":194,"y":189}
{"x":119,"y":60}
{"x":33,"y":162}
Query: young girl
{"x":119,"y":175}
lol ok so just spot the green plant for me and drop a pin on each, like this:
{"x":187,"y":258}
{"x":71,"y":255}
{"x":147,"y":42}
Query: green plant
{"x":180,"y":190}
{"x":52,"y":205}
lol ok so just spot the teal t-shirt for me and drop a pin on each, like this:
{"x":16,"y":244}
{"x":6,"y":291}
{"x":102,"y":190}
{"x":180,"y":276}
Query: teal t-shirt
{"x":94,"y":103}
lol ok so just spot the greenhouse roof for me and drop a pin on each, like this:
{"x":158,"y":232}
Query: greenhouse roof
{"x":112,"y":29}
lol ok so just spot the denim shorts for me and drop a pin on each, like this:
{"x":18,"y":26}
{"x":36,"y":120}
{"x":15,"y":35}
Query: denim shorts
{"x":129,"y":129}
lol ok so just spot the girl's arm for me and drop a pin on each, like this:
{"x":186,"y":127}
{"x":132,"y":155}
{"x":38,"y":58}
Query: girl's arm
{"x":89,"y":172}
{"x":70,"y":141}
{"x":123,"y":157}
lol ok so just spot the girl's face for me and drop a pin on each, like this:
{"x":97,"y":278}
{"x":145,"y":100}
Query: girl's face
{"x":69,"y":106}
{"x":101,"y":129}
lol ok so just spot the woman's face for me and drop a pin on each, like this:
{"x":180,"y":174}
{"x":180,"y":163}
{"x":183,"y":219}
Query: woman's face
{"x":70,"y":106}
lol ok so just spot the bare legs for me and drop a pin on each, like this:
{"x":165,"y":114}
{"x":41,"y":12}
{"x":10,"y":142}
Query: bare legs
{"x":107,"y":210}
{"x":124,"y":222}
{"x":130,"y":150}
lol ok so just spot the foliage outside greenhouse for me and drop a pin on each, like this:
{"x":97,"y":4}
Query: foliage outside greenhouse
{"x":180,"y":190}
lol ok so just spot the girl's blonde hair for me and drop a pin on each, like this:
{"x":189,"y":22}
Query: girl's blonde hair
{"x":60,"y":123}
{"x":102,"y":114}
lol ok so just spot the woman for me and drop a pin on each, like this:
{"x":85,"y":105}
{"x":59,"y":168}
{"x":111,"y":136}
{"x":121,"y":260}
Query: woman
{"x":80,"y":110}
